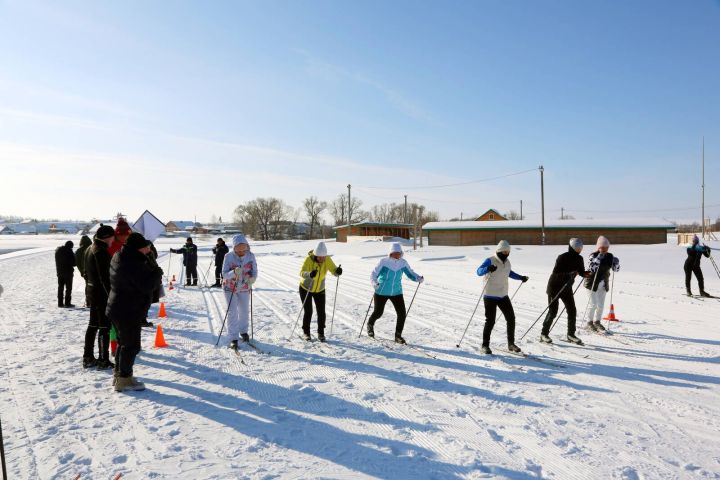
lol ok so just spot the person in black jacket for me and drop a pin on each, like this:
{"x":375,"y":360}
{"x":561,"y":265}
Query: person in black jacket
{"x":155,"y":296}
{"x":85,"y":243}
{"x":220,"y":249}
{"x":97,"y":272}
{"x":65,"y":268}
{"x":190,"y":259}
{"x":133,"y":277}
{"x":600,"y":263}
{"x":567,"y":266}
{"x":695,"y":253}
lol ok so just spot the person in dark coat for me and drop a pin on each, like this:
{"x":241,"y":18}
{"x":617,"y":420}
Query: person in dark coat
{"x":155,"y":296}
{"x":567,"y":266}
{"x":133,"y":277}
{"x":695,"y":252}
{"x":85,"y":243}
{"x":97,"y":272}
{"x":220,"y":249}
{"x":65,"y":268}
{"x":190,"y":259}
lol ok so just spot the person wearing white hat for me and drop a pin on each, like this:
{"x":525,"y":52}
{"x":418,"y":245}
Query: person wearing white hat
{"x":239,"y":273}
{"x":386,"y":280}
{"x":498,"y":269}
{"x":567,"y":266}
{"x":312,"y":284}
{"x":601,"y":262}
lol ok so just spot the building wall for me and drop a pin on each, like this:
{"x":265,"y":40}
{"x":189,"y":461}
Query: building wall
{"x":486,"y":217}
{"x":552,"y":237}
{"x":371,"y":231}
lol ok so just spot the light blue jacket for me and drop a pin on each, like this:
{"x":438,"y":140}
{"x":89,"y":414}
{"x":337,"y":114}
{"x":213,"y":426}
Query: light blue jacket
{"x":387,"y":276}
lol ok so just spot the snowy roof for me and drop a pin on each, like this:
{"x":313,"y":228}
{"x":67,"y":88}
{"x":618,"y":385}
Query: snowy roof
{"x":551,"y":224}
{"x":182,"y":224}
{"x":366,"y":223}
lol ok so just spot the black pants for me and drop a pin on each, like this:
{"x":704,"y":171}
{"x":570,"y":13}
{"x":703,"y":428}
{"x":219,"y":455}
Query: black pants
{"x":398,"y":302}
{"x":87,"y":294}
{"x":568,"y":300}
{"x":128,"y":332}
{"x":491,"y":306}
{"x":319,"y":299}
{"x":64,"y":286}
{"x":218,"y":274}
{"x":98,"y":325}
{"x":690,"y":268}
{"x":191,"y":273}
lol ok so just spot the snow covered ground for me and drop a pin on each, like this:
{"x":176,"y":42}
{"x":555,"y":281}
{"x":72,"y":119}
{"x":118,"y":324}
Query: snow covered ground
{"x":642,"y":403}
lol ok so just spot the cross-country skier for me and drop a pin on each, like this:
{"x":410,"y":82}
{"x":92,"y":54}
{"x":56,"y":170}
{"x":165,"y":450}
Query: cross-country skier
{"x":190,"y":259}
{"x":695,"y":253}
{"x":65,"y":268}
{"x":559,"y":287}
{"x":387,"y":281}
{"x":498,"y":269}
{"x":239,"y":273}
{"x":598,"y":282}
{"x":312,"y":283}
{"x":97,"y":270}
{"x":219,"y":250}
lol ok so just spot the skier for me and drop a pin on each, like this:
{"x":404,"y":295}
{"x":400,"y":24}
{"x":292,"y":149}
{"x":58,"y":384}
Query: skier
{"x":133,"y":277}
{"x":601,"y":262}
{"x":122,"y":230}
{"x":239,"y":273}
{"x":190,"y":259}
{"x":312,"y":284}
{"x":695,"y":253}
{"x":65,"y":267}
{"x":219,"y":250}
{"x":85,"y":242}
{"x":97,"y":270}
{"x":559,"y":287}
{"x":387,"y":281}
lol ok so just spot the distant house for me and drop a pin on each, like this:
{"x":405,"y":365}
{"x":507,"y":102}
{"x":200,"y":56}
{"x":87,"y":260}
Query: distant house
{"x":491,"y":215}
{"x":179,"y":226}
{"x":6,"y":230}
{"x":372,"y":229}
{"x":558,"y":232}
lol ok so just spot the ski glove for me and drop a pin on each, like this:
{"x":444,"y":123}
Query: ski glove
{"x":237,"y":271}
{"x":313,"y":274}
{"x":338,"y":271}
{"x":492,"y":268}
{"x":420,"y":279}
{"x":524,"y":278}
{"x":250,"y":280}
{"x":376,"y":285}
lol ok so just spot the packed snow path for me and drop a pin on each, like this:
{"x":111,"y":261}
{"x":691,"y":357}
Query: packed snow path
{"x":642,"y":403}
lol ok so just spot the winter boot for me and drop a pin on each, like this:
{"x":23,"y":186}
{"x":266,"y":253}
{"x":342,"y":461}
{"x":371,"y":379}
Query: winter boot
{"x":545,"y":338}
{"x":486,"y":350}
{"x":69,"y":305}
{"x":591,"y":326}
{"x":194,"y":283}
{"x":321,"y":337}
{"x":306,"y":336}
{"x":125,"y":384}
{"x":574,"y":339}
{"x":399,"y":339}
{"x":233,"y":345}
{"x":105,"y":364}
{"x":245,"y":337}
{"x":216,"y":285}
{"x":146,"y":324}
{"x":371,"y":330}
{"x":61,"y":304}
{"x":599,"y":326}
{"x":137,"y":384}
{"x":187,"y":284}
{"x":89,"y":362}
{"x":514,"y":348}
{"x":689,"y":293}
{"x":703,"y":293}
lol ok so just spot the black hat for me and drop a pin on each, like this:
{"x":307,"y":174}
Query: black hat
{"x":136,"y":241}
{"x":105,"y":231}
{"x":69,"y":243}
{"x":189,"y":240}
{"x":220,"y":240}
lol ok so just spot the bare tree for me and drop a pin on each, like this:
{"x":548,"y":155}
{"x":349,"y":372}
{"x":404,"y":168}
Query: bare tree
{"x":261,"y":217}
{"x":339,"y":210}
{"x":388,"y":213}
{"x":513,"y":215}
{"x":313,"y":209}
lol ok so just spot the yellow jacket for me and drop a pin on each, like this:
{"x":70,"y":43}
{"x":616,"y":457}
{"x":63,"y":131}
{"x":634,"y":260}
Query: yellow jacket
{"x":316,"y":284}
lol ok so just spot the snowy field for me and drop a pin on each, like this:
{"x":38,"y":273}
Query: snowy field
{"x":643,"y":403}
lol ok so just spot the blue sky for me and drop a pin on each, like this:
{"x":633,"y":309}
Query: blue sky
{"x":190,"y":108}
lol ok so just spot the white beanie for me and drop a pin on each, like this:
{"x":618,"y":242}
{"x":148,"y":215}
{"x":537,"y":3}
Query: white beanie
{"x":321,"y":250}
{"x":576,"y":243}
{"x":503,"y":246}
{"x":238,"y":239}
{"x":396,"y":248}
{"x":603,"y":242}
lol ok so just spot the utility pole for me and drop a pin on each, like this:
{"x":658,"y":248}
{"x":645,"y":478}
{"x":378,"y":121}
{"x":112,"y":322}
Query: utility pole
{"x":349,"y":203}
{"x":415,"y":227}
{"x":542,"y":201}
{"x":562,"y":213}
{"x":703,"y":187}
{"x":521,"y":217}
{"x":461,"y":216}
{"x":405,"y":219}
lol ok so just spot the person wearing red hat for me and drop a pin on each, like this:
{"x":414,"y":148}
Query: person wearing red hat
{"x":122,"y":230}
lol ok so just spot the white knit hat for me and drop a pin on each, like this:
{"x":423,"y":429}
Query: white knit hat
{"x":503,"y":246}
{"x":603,"y":242}
{"x":238,"y":239}
{"x":321,"y":250}
{"x":396,"y":248}
{"x":576,"y":243}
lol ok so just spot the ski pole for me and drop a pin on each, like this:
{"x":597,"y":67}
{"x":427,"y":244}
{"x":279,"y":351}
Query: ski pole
{"x":2,"y":454}
{"x":612,"y":287}
{"x":473,"y":314}
{"x":511,"y":299}
{"x":546,"y":309}
{"x":228,"y":310}
{"x":302,"y":309}
{"x":412,"y":300}
{"x":337,"y":284}
{"x":169,"y":264}
{"x":366,"y":315}
{"x":252,"y":327}
{"x":587,"y":305}
{"x":563,"y":309}
{"x":207,"y":272}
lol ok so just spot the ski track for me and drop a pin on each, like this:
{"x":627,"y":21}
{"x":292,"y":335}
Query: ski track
{"x":354,"y":408}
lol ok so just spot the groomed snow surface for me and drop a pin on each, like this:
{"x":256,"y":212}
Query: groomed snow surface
{"x":643,"y":404}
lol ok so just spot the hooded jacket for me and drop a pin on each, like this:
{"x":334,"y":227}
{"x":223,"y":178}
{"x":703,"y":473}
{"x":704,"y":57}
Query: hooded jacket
{"x":133,"y":277}
{"x":248,"y":267}
{"x":315,"y":284}
{"x":85,"y":243}
{"x":97,"y":271}
{"x":65,"y":261}
{"x":387,"y":276}
{"x":600,"y":266}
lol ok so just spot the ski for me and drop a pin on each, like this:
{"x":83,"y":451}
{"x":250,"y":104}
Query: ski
{"x":256,"y":348}
{"x":236,"y":351}
{"x":412,"y":347}
{"x":565,"y":339}
{"x":532,"y":357}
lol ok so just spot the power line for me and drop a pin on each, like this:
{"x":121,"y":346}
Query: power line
{"x":681,"y":209}
{"x":451,"y":184}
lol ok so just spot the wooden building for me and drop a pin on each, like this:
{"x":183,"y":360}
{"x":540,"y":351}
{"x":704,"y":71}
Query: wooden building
{"x":372,"y":229}
{"x":557,"y":232}
{"x":491,"y":215}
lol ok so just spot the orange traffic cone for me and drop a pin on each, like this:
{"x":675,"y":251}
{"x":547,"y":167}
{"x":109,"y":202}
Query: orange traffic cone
{"x":611,"y":316}
{"x":161,"y":312}
{"x":173,"y":278}
{"x":160,"y":338}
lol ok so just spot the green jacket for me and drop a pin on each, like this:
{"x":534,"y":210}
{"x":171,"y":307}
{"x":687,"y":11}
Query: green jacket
{"x":315,"y":284}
